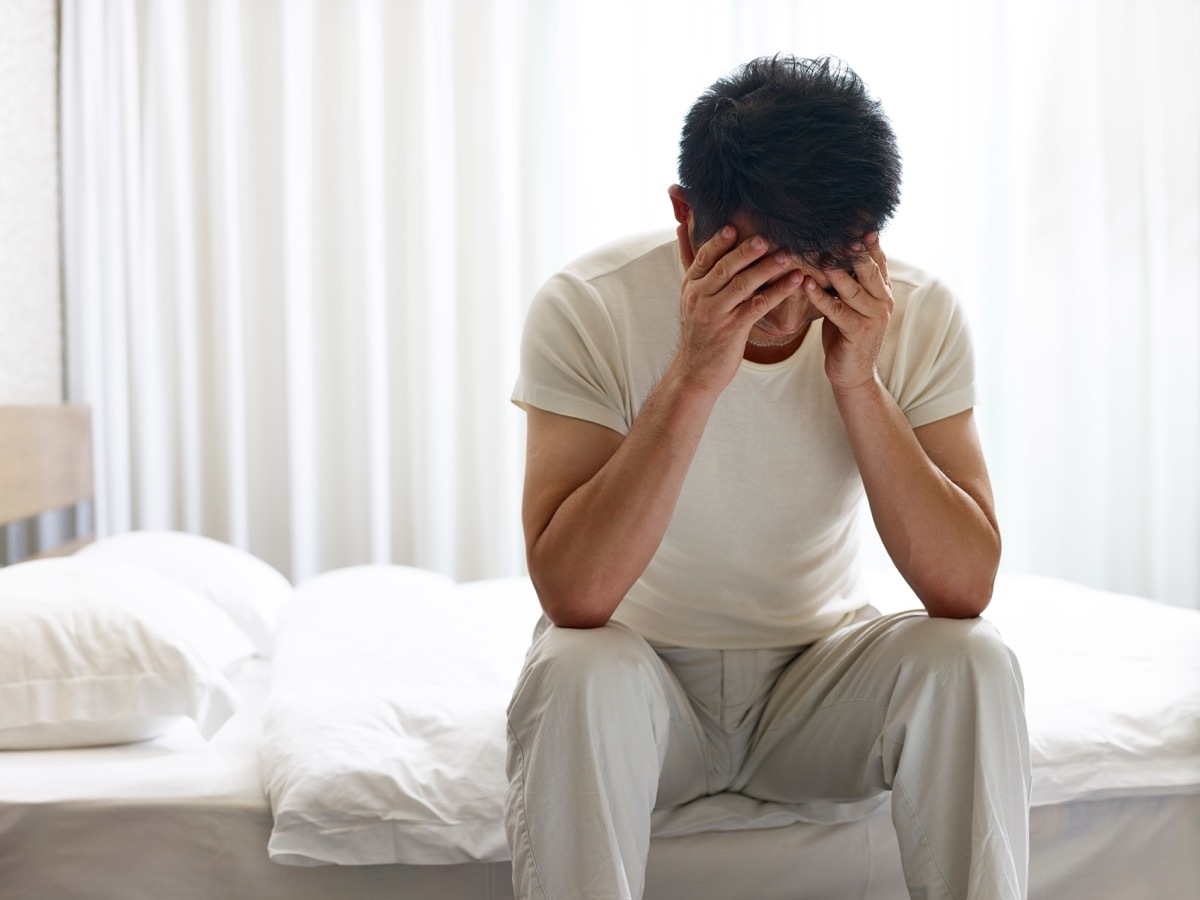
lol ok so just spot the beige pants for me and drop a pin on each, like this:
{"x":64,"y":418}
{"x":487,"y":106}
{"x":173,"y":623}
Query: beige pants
{"x":604,"y":728}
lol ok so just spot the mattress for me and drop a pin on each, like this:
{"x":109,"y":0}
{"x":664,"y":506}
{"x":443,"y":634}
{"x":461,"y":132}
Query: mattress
{"x":180,"y":818}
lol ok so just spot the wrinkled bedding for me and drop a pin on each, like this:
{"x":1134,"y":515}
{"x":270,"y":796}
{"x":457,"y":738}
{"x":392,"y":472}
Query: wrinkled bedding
{"x":384,"y":734}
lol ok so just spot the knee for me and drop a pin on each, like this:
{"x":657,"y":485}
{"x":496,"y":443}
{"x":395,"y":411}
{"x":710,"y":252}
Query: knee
{"x":574,"y":666}
{"x":970,"y":647}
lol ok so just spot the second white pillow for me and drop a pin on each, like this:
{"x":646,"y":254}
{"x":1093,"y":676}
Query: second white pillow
{"x":250,"y":590}
{"x":99,"y":652}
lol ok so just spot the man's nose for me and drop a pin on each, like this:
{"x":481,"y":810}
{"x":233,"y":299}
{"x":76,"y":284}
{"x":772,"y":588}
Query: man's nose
{"x":788,"y":315}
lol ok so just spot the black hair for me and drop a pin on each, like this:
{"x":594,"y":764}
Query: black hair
{"x":801,"y":148}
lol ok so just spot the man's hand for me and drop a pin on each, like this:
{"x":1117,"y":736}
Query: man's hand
{"x":859,"y":314}
{"x":721,"y":298}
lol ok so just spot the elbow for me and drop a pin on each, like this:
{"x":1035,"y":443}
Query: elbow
{"x":575,"y":618}
{"x":961,"y":588}
{"x":961,"y":598}
{"x":573,"y":609}
{"x":571,"y":602}
{"x":958,"y":604}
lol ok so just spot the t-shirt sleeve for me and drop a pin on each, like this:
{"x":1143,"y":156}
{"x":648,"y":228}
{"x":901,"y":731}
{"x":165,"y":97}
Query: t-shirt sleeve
{"x":571,"y":357}
{"x":933,"y":371}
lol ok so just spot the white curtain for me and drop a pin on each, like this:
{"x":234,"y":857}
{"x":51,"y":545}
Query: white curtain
{"x":300,"y":236}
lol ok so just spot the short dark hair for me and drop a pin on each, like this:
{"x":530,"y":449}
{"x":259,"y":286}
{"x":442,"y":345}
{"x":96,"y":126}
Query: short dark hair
{"x":800,"y":147}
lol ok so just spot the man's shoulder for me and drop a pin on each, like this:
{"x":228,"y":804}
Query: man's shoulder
{"x":634,"y":256}
{"x":907,"y":277}
{"x":629,"y":285}
{"x":913,"y":286}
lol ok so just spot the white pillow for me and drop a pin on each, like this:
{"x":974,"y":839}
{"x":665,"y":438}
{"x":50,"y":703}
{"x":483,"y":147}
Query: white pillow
{"x":248,"y":589}
{"x":99,"y":652}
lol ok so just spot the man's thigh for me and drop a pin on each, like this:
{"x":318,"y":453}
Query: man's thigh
{"x":839,"y":709}
{"x":595,"y":684}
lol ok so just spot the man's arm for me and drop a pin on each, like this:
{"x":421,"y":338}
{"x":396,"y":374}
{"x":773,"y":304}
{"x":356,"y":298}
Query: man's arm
{"x":931,"y":501}
{"x":596,"y":504}
{"x":928,"y":488}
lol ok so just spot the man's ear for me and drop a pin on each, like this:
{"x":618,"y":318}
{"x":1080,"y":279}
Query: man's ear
{"x":683,"y":215}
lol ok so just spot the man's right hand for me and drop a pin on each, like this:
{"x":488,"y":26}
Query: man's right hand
{"x":721,"y":298}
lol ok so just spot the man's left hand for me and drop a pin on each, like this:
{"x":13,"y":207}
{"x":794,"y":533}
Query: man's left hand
{"x":859,"y":314}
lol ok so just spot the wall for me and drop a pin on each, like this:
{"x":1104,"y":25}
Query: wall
{"x":31,"y":367}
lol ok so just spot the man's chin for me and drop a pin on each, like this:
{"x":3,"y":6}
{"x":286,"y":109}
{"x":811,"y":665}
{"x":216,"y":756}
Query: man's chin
{"x":758,"y":338}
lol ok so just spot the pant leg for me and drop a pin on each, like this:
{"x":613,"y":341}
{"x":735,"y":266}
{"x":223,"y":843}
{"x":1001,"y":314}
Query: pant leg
{"x":930,"y":709}
{"x":595,"y":719}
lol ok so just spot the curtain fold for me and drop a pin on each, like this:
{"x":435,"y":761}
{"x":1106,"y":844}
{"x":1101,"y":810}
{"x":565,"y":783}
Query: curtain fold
{"x":300,"y":238}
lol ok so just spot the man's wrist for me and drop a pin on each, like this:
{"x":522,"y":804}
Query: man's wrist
{"x":869,"y":391}
{"x":691,"y":385}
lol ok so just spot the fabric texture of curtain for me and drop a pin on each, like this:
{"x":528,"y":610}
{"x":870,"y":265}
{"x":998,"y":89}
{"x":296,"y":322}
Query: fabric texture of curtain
{"x":300,"y":237}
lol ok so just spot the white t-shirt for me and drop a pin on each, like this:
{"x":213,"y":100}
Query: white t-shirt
{"x":762,"y":549}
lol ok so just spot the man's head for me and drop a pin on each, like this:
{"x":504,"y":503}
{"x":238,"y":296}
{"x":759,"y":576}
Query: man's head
{"x":797,"y":147}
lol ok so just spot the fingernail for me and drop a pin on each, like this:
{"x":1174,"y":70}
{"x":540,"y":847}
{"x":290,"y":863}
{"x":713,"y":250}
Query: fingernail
{"x":757,"y":243}
{"x":727,"y":232}
{"x":781,"y":257}
{"x":858,"y":245}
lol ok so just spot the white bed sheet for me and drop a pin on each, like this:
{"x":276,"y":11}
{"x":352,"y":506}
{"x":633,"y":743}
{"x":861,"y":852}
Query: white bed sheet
{"x":179,"y":766}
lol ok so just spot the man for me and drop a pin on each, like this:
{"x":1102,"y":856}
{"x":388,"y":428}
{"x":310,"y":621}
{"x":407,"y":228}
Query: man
{"x":704,"y":414}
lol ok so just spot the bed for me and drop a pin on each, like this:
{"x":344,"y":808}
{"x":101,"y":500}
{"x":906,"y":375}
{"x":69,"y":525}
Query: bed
{"x":349,"y":740}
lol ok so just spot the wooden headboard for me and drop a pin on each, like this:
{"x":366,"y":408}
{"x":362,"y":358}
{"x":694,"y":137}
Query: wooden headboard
{"x":45,"y":461}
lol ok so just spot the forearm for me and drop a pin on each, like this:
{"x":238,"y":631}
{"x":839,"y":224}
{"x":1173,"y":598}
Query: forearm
{"x":943,"y":540}
{"x":601,"y":538}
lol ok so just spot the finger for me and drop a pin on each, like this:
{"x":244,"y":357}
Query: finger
{"x":870,"y":280}
{"x":741,"y":271}
{"x":877,"y":254}
{"x":867,"y":269}
{"x":750,"y":281}
{"x":712,"y":251}
{"x":822,"y":281}
{"x":759,"y":304}
{"x":851,"y":291}
{"x":831,"y":306}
